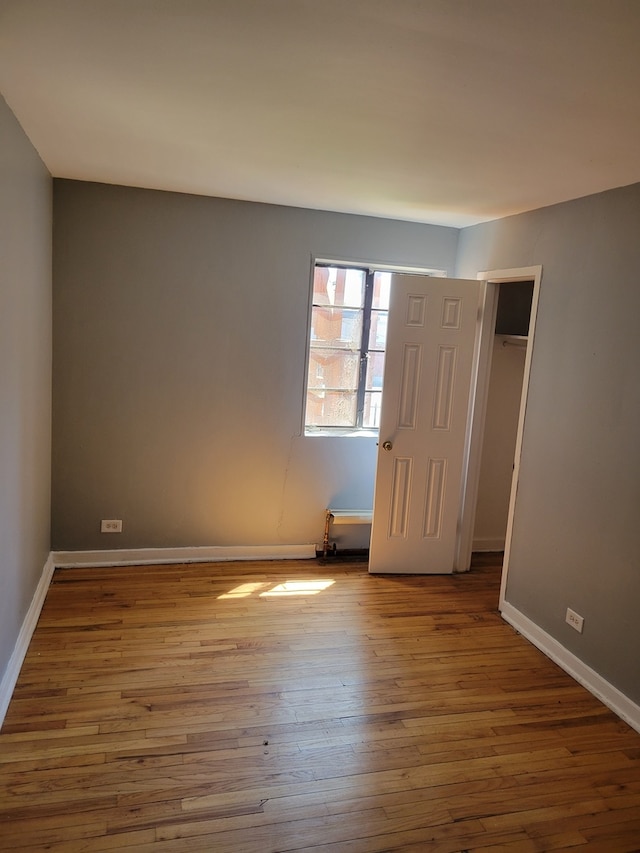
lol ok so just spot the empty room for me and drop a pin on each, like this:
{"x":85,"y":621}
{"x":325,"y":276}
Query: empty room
{"x":319,"y":470}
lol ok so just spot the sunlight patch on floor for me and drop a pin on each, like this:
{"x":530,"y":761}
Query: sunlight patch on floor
{"x":301,"y":587}
{"x":244,"y":590}
{"x":298,"y":588}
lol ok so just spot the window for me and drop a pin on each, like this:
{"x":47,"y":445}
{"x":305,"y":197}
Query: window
{"x":346,"y":348}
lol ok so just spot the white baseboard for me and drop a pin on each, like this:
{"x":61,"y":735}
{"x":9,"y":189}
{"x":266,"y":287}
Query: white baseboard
{"x":594,"y":683}
{"x":29,"y":623}
{"x":196,"y":554}
{"x":488,"y":544}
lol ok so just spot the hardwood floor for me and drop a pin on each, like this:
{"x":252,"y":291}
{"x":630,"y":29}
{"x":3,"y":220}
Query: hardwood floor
{"x":296,"y":706}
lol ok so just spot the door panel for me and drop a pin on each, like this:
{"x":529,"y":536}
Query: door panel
{"x":423,"y":428}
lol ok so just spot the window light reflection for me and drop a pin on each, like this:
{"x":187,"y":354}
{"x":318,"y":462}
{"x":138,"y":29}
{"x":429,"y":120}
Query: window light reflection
{"x":244,"y":590}
{"x":297,"y":588}
{"x":308,"y":587}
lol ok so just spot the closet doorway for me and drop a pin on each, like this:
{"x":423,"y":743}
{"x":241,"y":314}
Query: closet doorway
{"x":504,"y":393}
{"x":506,"y":349}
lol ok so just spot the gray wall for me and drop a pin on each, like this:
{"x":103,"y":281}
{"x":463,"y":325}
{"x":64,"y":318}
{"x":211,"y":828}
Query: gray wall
{"x":576,"y":539}
{"x":180,"y":336}
{"x":25,"y":376}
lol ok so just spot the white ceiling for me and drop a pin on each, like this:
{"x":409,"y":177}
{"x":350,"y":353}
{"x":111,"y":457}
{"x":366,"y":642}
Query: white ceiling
{"x":444,"y":111}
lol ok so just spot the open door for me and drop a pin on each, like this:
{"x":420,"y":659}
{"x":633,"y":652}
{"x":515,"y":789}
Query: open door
{"x":428,"y":388}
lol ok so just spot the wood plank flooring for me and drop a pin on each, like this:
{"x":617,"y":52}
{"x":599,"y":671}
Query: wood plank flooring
{"x":301,"y":706}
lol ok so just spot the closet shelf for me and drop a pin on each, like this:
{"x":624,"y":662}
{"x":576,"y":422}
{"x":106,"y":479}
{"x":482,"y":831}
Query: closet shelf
{"x":513,"y":340}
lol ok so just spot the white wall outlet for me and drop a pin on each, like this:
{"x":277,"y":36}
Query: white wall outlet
{"x":573,"y":619}
{"x":111,"y":525}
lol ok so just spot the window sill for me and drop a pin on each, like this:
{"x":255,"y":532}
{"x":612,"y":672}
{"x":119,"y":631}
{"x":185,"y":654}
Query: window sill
{"x":340,"y":432}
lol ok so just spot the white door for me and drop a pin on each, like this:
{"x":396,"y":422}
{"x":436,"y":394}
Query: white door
{"x":428,"y":379}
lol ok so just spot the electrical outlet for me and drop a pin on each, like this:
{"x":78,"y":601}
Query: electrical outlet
{"x":573,"y":619}
{"x":111,"y":525}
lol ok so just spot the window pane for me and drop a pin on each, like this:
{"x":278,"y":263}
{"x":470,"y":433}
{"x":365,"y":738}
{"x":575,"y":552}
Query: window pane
{"x":337,"y":286}
{"x":381,"y":289}
{"x":333,"y":369}
{"x":372,"y":405}
{"x":378,"y":330}
{"x":331,"y":408}
{"x":375,"y":371}
{"x":336,"y":327}
{"x":335,"y":393}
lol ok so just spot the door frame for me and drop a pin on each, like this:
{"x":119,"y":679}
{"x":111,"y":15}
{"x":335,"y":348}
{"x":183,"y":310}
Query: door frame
{"x":492,"y":280}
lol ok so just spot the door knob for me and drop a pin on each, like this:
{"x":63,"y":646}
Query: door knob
{"x":387,"y":445}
